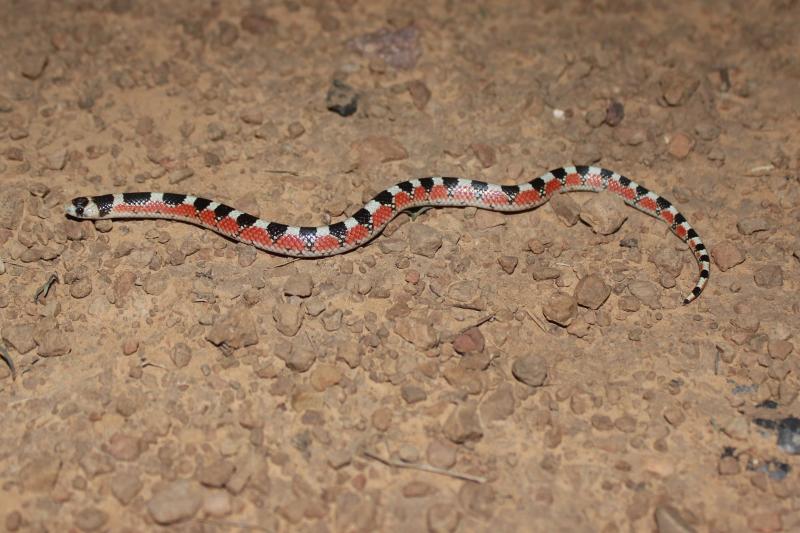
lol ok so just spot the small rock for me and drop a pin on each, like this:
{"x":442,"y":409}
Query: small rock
{"x":542,"y":272}
{"x":780,"y":349}
{"x":736,"y":427}
{"x":485,"y":154}
{"x":295,"y":130}
{"x":470,"y":341}
{"x":508,"y":263}
{"x":124,"y":447}
{"x":727,"y":255}
{"x":178,"y":501}
{"x":728,"y":466}
{"x":561,"y":308}
{"x":442,"y":518}
{"x":257,"y":23}
{"x":234,"y":330}
{"x":288,"y":318}
{"x":217,"y":503}
{"x":677,"y":87}
{"x":604,"y":213}
{"x":252,"y":116}
{"x":181,"y":355}
{"x":614,"y":113}
{"x":56,"y":160}
{"x":397,"y":48}
{"x":498,"y":405}
{"x":19,"y":337}
{"x":669,"y":520}
{"x":91,"y":519}
{"x":646,"y":292}
{"x":680,"y":145}
{"x":217,"y":473}
{"x":125,"y":487}
{"x":413,"y":393}
{"x":40,"y":474}
{"x":441,"y":453}
{"x":382,"y":418}
{"x":463,"y":424}
{"x":530,"y":370}
{"x":378,"y":149}
{"x":750,"y":225}
{"x":299,"y":285}
{"x":53,"y":344}
{"x":341,"y":99}
{"x":325,"y":376}
{"x":566,"y":209}
{"x":769,"y":277}
{"x":424,"y":240}
{"x":420,"y":94}
{"x":33,"y":65}
{"x":81,"y":288}
{"x":592,"y":291}
{"x":301,"y":360}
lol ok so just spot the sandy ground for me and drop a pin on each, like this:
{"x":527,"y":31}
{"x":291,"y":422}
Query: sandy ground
{"x":173,"y":377}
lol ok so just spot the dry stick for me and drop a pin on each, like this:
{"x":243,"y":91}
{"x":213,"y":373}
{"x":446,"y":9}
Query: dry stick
{"x":425,"y":468}
{"x":44,"y":290}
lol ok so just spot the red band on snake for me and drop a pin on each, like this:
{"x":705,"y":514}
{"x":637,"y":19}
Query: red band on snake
{"x":370,"y":220}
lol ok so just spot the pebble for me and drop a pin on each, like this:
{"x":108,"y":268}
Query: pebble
{"x":181,"y":355}
{"x":604,"y":213}
{"x":424,"y":240}
{"x":81,"y":288}
{"x":498,"y":405}
{"x":420,"y":94}
{"x":382,"y":418}
{"x":124,"y":447}
{"x":257,"y":23}
{"x":780,"y":349}
{"x":541,"y":273}
{"x":727,"y":255}
{"x":413,"y":394}
{"x":325,"y":376}
{"x":566,"y":209}
{"x":288,"y":318}
{"x":646,"y":292}
{"x":470,"y":341}
{"x":299,"y":285}
{"x":40,"y":474}
{"x":677,"y":87}
{"x":341,"y":99}
{"x":216,"y":474}
{"x":485,"y":154}
{"x":680,"y":145}
{"x":530,"y":369}
{"x":463,"y":424}
{"x":301,"y":360}
{"x":33,"y":65}
{"x":728,"y":465}
{"x":669,"y":520}
{"x":561,"y":308}
{"x":19,"y":337}
{"x":53,"y":344}
{"x":398,"y":48}
{"x":91,"y":519}
{"x":217,"y":503}
{"x":615,"y":112}
{"x":750,"y":225}
{"x":769,"y":277}
{"x":442,"y":518}
{"x":125,"y":486}
{"x":177,"y":501}
{"x":378,"y":149}
{"x":592,"y":291}
{"x":56,"y":160}
{"x":295,"y":130}
{"x":234,"y":330}
{"x":252,"y":116}
{"x":508,"y":263}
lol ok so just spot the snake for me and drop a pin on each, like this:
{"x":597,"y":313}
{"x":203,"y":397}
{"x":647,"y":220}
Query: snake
{"x":371,"y":219}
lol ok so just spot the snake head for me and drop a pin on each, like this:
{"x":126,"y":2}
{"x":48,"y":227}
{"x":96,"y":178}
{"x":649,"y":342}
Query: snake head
{"x":82,"y":207}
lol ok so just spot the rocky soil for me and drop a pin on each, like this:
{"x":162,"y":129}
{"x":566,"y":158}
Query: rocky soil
{"x":465,"y":371}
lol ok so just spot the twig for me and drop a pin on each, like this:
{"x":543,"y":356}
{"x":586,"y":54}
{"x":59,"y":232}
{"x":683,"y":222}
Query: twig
{"x":281,"y":171}
{"x":10,"y":362}
{"x":44,"y":290}
{"x":425,"y":468}
{"x":229,"y":523}
{"x":288,"y":262}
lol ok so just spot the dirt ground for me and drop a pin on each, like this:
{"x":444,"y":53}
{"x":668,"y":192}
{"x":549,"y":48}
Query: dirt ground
{"x":441,"y":378}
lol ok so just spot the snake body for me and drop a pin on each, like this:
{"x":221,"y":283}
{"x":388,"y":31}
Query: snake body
{"x":370,"y":220}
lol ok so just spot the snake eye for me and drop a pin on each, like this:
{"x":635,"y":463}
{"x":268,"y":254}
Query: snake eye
{"x":80,"y":204}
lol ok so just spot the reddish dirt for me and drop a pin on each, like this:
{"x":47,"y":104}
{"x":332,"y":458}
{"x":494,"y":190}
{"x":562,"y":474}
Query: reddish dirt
{"x":171,"y":376}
